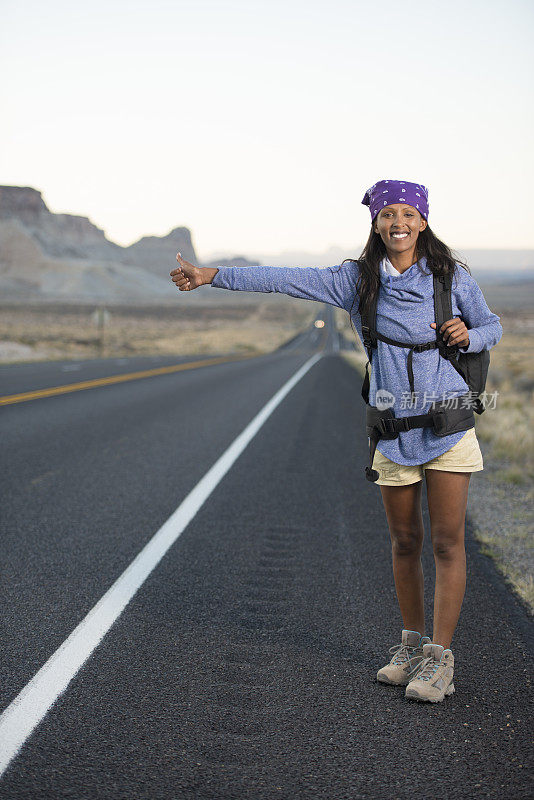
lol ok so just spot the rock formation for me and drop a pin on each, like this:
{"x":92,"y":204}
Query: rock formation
{"x":151,"y":252}
{"x":59,"y":235}
{"x":62,"y":256}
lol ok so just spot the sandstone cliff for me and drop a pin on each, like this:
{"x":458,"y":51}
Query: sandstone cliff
{"x":62,"y":256}
{"x":28,"y":272}
{"x":70,"y":236}
{"x":151,"y":252}
{"x":59,"y":235}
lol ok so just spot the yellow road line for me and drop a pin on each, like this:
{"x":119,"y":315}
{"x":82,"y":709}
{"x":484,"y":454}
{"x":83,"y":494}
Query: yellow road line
{"x":130,"y":376}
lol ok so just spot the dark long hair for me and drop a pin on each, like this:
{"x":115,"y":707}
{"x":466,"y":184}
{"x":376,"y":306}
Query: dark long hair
{"x":440,"y":260}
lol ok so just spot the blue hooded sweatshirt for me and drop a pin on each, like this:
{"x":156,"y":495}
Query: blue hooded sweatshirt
{"x":404,"y":312}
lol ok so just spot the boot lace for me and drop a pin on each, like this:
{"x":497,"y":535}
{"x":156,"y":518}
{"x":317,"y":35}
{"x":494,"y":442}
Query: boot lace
{"x":403,"y":653}
{"x":426,"y":669}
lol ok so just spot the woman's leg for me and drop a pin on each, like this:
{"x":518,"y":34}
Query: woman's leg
{"x":447,"y":503}
{"x":405,"y":520}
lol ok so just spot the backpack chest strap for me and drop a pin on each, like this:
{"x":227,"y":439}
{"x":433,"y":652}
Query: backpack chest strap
{"x":370,"y":340}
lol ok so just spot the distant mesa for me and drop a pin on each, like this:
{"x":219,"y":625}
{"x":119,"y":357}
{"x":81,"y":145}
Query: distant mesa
{"x":70,"y":236}
{"x":22,"y":202}
{"x":63,"y":256}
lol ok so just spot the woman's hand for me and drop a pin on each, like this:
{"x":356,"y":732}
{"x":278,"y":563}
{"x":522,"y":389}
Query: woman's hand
{"x":186,"y":276}
{"x":454,"y":332}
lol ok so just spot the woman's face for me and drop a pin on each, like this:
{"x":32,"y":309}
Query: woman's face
{"x":399,"y":226}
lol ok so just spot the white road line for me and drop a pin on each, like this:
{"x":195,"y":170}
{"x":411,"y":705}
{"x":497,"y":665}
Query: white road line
{"x":29,"y":707}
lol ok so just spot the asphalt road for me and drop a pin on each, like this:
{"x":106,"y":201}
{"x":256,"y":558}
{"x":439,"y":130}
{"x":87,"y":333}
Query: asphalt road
{"x":244,"y":666}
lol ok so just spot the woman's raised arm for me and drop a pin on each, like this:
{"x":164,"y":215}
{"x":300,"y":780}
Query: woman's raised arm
{"x":333,"y":285}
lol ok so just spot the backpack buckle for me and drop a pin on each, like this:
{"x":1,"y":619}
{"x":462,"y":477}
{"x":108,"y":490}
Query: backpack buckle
{"x":445,"y":349}
{"x":387,"y":426}
{"x":439,"y":421}
{"x":367,"y":337}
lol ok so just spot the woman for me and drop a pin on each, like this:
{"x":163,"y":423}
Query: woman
{"x":398,"y":262}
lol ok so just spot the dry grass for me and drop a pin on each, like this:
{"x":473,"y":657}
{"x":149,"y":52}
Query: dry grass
{"x":497,"y":547}
{"x":509,"y":427}
{"x":41,"y":333}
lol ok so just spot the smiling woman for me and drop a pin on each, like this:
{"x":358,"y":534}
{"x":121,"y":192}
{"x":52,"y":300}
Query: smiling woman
{"x":405,"y":273}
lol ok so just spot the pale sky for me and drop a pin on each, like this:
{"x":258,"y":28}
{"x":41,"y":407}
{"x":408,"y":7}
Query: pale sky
{"x":259,"y":124}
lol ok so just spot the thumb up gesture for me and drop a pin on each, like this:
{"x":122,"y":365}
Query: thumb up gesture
{"x":186,"y":276}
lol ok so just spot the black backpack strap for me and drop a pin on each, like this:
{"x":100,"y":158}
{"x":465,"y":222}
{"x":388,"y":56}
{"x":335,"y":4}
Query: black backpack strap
{"x":442,"y":300}
{"x":443,"y":312}
{"x":369,"y":340}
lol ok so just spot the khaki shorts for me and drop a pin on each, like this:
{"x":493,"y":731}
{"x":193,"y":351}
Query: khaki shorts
{"x":464,"y":456}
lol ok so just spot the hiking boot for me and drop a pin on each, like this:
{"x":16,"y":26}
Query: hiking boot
{"x":433,"y":679}
{"x":406,"y":658}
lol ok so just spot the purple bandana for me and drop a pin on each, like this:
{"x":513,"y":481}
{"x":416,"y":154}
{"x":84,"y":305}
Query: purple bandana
{"x":385,"y":193}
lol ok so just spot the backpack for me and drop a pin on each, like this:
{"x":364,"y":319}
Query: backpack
{"x":473,"y":367}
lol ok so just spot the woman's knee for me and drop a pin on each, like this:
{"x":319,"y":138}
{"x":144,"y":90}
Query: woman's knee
{"x":448,"y":545}
{"x":407,"y":541}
